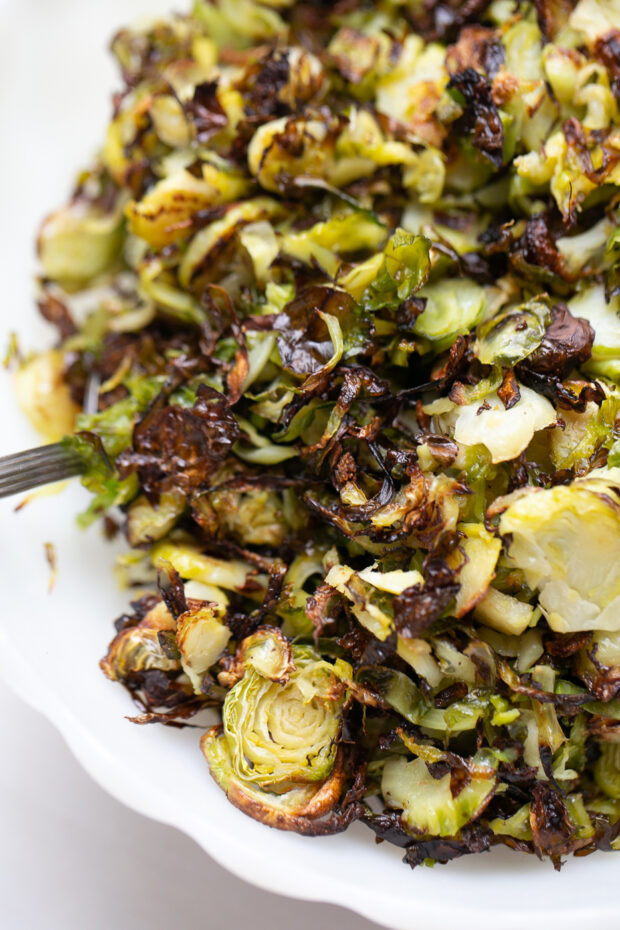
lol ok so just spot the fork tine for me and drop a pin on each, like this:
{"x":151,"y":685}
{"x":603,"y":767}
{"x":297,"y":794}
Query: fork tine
{"x":19,"y":486}
{"x":55,"y":450}
{"x":38,"y":473}
{"x":34,"y":467}
{"x":38,"y":476}
{"x":16,"y":465}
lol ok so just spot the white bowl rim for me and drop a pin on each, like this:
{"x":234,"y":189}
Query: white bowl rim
{"x":230,"y":851}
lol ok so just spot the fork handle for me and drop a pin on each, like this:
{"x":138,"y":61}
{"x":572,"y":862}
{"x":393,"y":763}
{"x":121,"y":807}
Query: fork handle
{"x":32,"y":468}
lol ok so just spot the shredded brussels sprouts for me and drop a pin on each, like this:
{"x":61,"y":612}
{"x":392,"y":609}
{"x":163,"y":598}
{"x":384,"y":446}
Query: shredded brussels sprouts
{"x":338,"y":315}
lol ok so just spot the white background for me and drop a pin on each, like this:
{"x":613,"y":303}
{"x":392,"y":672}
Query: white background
{"x":71,"y":858}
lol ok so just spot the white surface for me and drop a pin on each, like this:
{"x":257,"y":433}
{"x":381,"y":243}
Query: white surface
{"x":73,"y":858}
{"x":54,"y":99}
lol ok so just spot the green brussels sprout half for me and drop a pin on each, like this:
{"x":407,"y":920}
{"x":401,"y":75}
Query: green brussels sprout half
{"x":276,"y":755}
{"x":453,"y":307}
{"x":141,"y":648}
{"x":429,"y":804}
{"x":564,"y":539}
{"x":202,"y":637}
{"x":512,"y":336}
{"x":79,"y":243}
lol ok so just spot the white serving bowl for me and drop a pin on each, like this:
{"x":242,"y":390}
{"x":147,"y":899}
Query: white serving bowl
{"x":56,"y":80}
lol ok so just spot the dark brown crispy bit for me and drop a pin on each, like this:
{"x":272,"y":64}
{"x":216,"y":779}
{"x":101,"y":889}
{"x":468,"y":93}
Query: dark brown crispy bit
{"x":480,"y":119}
{"x":181,"y":448}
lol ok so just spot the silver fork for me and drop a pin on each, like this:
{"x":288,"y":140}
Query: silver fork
{"x":34,"y":467}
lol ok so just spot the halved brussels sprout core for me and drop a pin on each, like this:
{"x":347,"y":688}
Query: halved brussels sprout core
{"x":282,"y":735}
{"x":276,"y":754}
{"x":296,"y":810}
{"x":565,"y":540}
{"x":139,"y":648}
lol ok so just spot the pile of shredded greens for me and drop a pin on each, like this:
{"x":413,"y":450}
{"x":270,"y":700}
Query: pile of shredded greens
{"x":339,"y":316}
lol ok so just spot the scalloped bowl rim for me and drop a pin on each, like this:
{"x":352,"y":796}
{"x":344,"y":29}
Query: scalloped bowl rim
{"x":292,"y":879}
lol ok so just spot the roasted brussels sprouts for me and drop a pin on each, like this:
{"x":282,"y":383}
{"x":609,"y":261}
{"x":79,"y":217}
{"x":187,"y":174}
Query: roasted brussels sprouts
{"x":147,"y":522}
{"x":277,"y":755}
{"x":429,"y":805}
{"x":44,"y":396}
{"x":338,"y":316}
{"x":140,"y":648}
{"x":79,"y":243}
{"x":201,"y":637}
{"x":565,"y":540}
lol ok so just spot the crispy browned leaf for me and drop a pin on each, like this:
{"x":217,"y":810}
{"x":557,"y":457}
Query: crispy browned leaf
{"x":435,"y":19}
{"x":58,"y":314}
{"x":478,"y":47}
{"x":603,"y":681}
{"x":508,"y":392}
{"x":472,"y":839}
{"x":480,"y":119}
{"x":607,"y":50}
{"x":263,"y":87}
{"x":181,"y":448}
{"x":420,"y":605}
{"x":304,"y":342}
{"x":552,"y":16}
{"x":537,"y":246}
{"x":551,"y":827}
{"x":171,"y":588}
{"x":205,"y":111}
{"x":323,"y":608}
{"x":566,"y":344}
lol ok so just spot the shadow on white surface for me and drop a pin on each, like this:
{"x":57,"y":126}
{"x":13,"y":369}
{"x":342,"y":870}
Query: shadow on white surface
{"x":71,"y":857}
